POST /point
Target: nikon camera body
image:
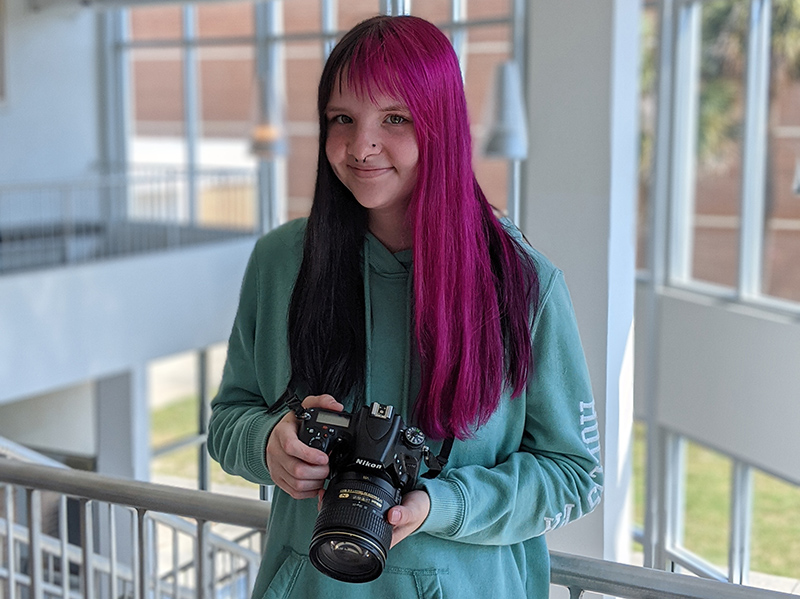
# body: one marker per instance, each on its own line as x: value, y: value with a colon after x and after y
x: 374, y: 460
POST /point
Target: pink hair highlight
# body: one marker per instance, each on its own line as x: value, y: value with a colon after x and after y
x: 465, y: 360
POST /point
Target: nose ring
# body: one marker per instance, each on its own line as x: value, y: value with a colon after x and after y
x: 363, y: 160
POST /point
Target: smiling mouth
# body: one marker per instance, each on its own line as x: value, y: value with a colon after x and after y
x: 369, y: 173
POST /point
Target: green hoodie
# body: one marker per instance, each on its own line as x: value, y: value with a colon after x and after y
x: 532, y: 468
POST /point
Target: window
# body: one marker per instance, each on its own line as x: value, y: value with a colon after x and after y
x: 735, y: 154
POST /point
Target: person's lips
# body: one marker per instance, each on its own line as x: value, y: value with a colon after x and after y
x: 368, y: 173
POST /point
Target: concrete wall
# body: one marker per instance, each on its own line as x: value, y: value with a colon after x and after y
x: 48, y: 121
x: 62, y: 421
x: 69, y: 325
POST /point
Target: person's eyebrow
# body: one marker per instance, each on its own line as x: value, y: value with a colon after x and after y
x: 394, y: 108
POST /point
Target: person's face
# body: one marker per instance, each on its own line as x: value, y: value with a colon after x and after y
x: 372, y: 148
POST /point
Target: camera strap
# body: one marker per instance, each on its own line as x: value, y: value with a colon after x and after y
x: 291, y: 399
x: 437, y: 463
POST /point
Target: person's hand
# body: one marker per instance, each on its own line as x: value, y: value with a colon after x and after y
x: 295, y: 467
x: 409, y: 515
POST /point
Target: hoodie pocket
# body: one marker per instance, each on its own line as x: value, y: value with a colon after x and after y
x: 298, y: 579
x: 283, y: 583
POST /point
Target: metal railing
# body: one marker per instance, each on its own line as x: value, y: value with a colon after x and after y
x: 100, y: 575
x: 71, y: 534
x: 48, y: 224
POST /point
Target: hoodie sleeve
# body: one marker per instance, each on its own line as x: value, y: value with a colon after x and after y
x: 240, y: 423
x: 555, y: 477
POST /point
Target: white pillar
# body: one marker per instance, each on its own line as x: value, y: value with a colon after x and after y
x: 579, y: 209
x: 123, y: 425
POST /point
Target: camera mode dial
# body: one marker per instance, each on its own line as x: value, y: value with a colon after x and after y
x: 414, y: 437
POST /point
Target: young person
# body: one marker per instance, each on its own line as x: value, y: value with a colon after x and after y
x: 403, y: 288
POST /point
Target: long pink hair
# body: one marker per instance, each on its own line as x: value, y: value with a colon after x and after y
x: 475, y: 287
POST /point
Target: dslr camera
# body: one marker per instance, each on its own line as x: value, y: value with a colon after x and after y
x: 374, y: 460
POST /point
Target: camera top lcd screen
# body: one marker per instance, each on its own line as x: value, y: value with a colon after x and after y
x: 333, y: 419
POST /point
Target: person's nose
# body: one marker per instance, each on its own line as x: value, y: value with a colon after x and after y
x: 365, y: 143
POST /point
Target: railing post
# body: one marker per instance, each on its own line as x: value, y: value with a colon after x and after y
x: 203, y: 568
x: 34, y: 542
x: 112, y: 528
x: 10, y: 545
x: 63, y: 529
x: 575, y: 592
x: 141, y: 559
x: 87, y: 543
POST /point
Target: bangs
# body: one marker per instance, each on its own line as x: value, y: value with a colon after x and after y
x: 370, y: 71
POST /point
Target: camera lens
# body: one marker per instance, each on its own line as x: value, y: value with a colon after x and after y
x: 351, y: 535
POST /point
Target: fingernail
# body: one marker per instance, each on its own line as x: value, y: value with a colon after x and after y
x: 394, y: 517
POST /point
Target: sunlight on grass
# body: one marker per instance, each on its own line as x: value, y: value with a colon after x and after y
x: 776, y: 527
x: 174, y: 420
x: 775, y: 544
x: 178, y: 420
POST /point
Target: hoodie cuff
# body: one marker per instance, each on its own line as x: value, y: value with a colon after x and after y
x: 448, y: 507
x: 256, y: 440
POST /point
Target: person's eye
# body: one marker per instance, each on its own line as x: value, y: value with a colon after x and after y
x: 396, y: 119
x: 341, y: 119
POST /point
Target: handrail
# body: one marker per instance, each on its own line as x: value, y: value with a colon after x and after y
x: 580, y: 574
x: 11, y: 449
x: 200, y: 505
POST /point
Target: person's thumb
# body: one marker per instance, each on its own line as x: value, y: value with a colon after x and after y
x: 395, y: 516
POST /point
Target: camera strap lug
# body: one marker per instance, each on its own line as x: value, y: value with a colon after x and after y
x: 291, y: 399
x: 437, y: 463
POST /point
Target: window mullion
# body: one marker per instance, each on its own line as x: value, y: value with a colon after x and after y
x: 687, y: 99
x: 191, y: 107
x: 754, y: 150
x: 741, y: 518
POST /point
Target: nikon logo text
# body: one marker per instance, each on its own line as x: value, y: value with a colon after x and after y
x: 368, y: 464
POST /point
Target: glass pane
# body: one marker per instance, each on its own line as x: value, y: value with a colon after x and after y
x: 222, y: 482
x: 227, y: 199
x: 707, y: 504
x: 228, y: 97
x: 302, y: 16
x: 483, y: 58
x: 719, y: 142
x: 639, y: 472
x: 647, y: 121
x: 228, y: 19
x: 157, y: 82
x: 304, y: 68
x: 782, y: 233
x: 435, y: 11
x: 178, y: 468
x: 353, y: 12
x: 480, y: 9
x: 775, y: 548
x: 156, y: 23
x: 174, y: 406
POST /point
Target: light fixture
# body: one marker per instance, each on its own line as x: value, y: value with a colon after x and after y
x: 268, y: 141
x: 508, y: 132
x: 508, y: 129
x: 796, y: 179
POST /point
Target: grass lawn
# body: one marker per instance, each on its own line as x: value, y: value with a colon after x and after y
x: 174, y: 421
x: 775, y: 544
